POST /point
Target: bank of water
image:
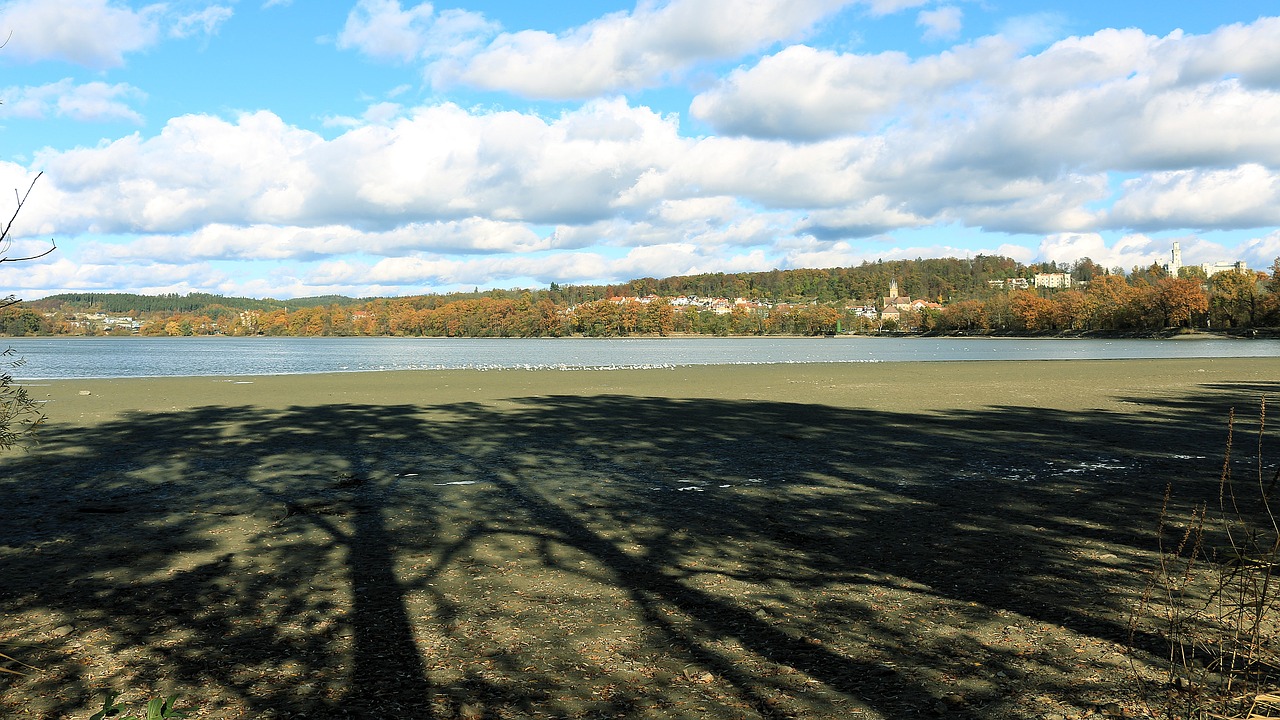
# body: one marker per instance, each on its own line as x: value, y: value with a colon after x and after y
x: 66, y: 358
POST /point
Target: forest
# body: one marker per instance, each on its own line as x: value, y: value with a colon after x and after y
x: 984, y: 294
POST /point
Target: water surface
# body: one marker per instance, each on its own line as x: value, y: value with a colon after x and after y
x: 65, y: 358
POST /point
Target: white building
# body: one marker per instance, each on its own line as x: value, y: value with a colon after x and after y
x: 1210, y: 269
x: 1053, y: 280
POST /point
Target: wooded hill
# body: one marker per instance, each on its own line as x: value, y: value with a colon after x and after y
x: 804, y: 301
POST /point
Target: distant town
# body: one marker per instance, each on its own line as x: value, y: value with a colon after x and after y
x: 981, y: 295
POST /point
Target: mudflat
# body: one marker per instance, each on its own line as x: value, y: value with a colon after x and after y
x: 812, y: 541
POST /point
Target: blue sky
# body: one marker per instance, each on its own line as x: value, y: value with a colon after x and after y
x: 373, y: 147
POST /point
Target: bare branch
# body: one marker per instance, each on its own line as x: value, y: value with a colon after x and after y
x: 22, y: 200
x: 5, y: 240
x: 52, y: 246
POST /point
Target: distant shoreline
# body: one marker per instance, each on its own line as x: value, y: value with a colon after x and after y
x: 1167, y: 334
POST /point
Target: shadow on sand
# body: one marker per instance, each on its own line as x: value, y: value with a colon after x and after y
x: 608, y: 556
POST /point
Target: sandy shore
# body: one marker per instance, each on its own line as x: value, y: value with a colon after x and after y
x: 913, y: 387
x: 871, y: 540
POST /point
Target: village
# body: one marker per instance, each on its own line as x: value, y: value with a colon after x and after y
x: 1031, y: 301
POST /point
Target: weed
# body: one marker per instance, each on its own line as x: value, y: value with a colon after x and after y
x: 1214, y: 599
x: 156, y: 709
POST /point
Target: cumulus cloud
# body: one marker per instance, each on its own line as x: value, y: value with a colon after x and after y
x: 989, y: 137
x: 874, y: 216
x: 1129, y: 251
x: 59, y: 273
x: 272, y: 242
x: 631, y: 50
x: 813, y: 149
x: 383, y: 29
x: 812, y: 252
x: 94, y: 33
x: 1095, y: 97
x: 805, y: 93
x: 1244, y: 196
x: 1262, y: 251
x: 90, y: 102
x: 432, y: 164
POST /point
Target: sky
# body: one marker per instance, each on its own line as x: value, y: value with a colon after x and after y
x: 289, y: 148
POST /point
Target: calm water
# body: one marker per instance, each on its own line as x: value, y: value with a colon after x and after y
x: 59, y: 358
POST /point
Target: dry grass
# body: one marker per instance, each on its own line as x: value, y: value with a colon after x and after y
x: 1215, y: 598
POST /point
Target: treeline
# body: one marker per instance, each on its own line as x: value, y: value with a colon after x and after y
x: 134, y: 305
x: 938, y: 279
x: 804, y: 302
x: 1115, y: 303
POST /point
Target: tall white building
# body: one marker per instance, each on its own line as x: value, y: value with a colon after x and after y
x: 1175, y: 263
x: 1210, y: 269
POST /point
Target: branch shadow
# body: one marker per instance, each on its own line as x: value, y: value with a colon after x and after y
x: 591, y: 556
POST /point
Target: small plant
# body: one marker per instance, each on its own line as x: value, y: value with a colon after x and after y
x: 20, y: 414
x: 1214, y: 599
x: 157, y: 709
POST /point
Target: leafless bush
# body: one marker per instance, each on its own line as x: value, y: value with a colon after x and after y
x: 1214, y: 599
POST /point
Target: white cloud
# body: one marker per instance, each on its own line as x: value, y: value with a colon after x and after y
x: 943, y: 23
x: 982, y: 136
x: 89, y: 102
x: 1083, y: 101
x: 59, y: 273
x: 204, y: 22
x: 817, y: 149
x: 813, y: 253
x: 1263, y: 251
x: 632, y: 50
x: 93, y: 33
x: 1243, y: 196
x: 1141, y: 250
x: 437, y: 163
x: 383, y: 29
x: 1248, y: 51
x: 1127, y: 252
x: 272, y: 242
x: 874, y: 216
x: 806, y: 93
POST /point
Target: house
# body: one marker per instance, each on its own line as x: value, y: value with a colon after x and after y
x: 1053, y: 280
x: 1017, y: 283
x: 1211, y: 269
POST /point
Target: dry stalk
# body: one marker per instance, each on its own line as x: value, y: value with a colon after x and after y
x: 1214, y: 600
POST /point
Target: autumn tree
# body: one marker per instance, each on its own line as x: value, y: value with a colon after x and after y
x: 1032, y: 312
x: 1234, y: 301
x: 1069, y: 309
x: 967, y: 315
x: 1108, y: 303
x: 1180, y: 300
x: 1270, y: 306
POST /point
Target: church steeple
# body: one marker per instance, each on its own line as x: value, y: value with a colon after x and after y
x: 893, y: 288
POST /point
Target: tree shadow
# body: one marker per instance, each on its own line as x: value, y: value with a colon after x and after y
x: 592, y: 556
